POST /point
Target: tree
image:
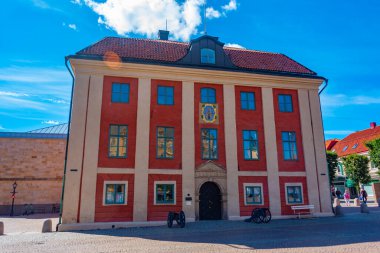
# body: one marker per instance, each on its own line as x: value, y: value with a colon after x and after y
x: 374, y: 152
x: 356, y: 168
x: 332, y: 164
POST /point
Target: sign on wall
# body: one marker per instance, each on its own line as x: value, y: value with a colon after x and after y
x: 209, y: 113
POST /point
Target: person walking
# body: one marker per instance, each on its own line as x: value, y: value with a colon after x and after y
x: 364, y: 195
x: 347, y: 197
x: 338, y: 193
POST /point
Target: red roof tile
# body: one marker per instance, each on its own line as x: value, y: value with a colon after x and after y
x: 359, y: 138
x: 331, y: 143
x: 172, y: 51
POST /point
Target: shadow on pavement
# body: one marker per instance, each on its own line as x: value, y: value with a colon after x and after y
x: 292, y: 233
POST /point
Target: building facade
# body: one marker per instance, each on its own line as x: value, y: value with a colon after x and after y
x: 355, y: 144
x: 35, y: 161
x: 161, y: 126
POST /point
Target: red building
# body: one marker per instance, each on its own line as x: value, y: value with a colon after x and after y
x: 161, y: 126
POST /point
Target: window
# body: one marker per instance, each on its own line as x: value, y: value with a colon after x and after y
x: 250, y: 145
x: 164, y: 193
x: 285, y: 103
x: 118, y: 141
x: 165, y: 142
x: 294, y: 194
x: 340, y: 168
x: 355, y: 146
x: 208, y: 95
x: 120, y: 93
x: 289, y: 145
x: 209, y: 144
x: 207, y: 56
x: 165, y: 95
x: 115, y: 193
x: 247, y: 100
x: 345, y: 148
x: 253, y: 194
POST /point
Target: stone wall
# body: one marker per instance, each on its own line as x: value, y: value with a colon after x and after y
x: 37, y: 167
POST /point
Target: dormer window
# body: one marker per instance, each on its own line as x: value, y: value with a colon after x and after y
x: 355, y: 146
x: 207, y: 56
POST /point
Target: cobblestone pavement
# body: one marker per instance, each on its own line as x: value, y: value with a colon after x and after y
x: 350, y: 233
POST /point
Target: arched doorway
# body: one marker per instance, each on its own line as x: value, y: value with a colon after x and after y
x: 210, y: 202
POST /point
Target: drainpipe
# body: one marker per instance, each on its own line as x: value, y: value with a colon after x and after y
x: 324, y: 140
x: 67, y: 143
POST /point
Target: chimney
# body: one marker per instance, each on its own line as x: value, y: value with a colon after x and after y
x: 163, y: 35
x: 372, y: 125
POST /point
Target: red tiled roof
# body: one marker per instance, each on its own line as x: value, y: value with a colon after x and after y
x: 331, y: 143
x: 172, y: 51
x: 359, y: 138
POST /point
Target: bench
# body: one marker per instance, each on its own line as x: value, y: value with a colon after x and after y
x: 300, y: 210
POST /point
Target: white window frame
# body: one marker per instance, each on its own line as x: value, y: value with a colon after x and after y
x: 245, y: 193
x: 125, y: 192
x: 175, y: 193
x: 286, y: 193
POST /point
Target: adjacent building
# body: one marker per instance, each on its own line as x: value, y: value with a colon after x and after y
x: 33, y: 160
x: 161, y: 126
x: 355, y: 144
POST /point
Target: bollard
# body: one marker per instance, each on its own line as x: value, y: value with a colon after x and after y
x: 336, y: 202
x: 47, y: 226
x: 338, y: 211
x: 1, y: 228
x: 364, y: 208
x: 356, y: 202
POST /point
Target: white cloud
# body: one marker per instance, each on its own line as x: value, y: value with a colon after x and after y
x: 212, y: 13
x: 78, y: 2
x: 51, y: 122
x: 44, y: 5
x: 234, y: 45
x: 12, y: 94
x: 146, y: 17
x: 340, y: 100
x: 57, y: 101
x: 231, y: 6
x: 73, y: 26
x: 1, y: 127
x: 339, y: 132
x: 33, y: 75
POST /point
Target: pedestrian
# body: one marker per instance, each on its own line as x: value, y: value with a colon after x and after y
x: 338, y: 193
x: 333, y: 191
x: 364, y: 195
x: 347, y: 197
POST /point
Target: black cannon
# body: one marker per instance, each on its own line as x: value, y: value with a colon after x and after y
x: 178, y: 217
x: 260, y: 215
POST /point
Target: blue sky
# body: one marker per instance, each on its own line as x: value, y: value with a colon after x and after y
x: 340, y: 40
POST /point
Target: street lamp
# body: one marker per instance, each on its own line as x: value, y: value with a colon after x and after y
x: 13, y: 197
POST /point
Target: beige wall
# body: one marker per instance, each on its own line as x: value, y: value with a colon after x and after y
x: 36, y: 165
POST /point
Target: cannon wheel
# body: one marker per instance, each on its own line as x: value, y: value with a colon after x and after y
x: 182, y: 219
x: 267, y: 215
x: 170, y: 219
x: 256, y: 215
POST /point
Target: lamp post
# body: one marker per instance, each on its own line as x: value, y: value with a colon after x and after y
x: 13, y: 197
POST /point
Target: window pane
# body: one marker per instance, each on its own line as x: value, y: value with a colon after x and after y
x: 169, y: 91
x: 243, y: 96
x: 124, y: 97
x: 113, y: 151
x: 110, y: 190
x: 292, y: 136
x: 254, y: 154
x: 115, y: 97
x: 114, y: 130
x: 251, y: 105
x: 205, y: 149
x: 122, y: 151
x: 161, y: 100
x: 123, y: 130
x: 246, y: 135
x: 161, y: 91
x: 115, y: 87
x: 285, y: 136
x: 160, y: 197
x: 247, y: 154
x: 161, y: 131
x: 125, y: 88
x: 113, y: 141
x: 161, y: 147
x: 170, y: 132
x: 214, y: 150
x: 169, y: 148
x: 169, y: 194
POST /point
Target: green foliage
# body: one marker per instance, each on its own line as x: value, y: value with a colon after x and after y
x: 332, y: 164
x: 374, y: 151
x: 356, y: 168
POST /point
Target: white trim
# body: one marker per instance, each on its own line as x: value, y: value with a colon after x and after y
x: 174, y: 195
x: 125, y: 183
x: 262, y: 193
x: 286, y: 193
